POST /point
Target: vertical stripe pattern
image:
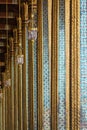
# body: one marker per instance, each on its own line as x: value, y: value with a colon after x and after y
x: 61, y: 68
x: 46, y: 86
x: 83, y: 64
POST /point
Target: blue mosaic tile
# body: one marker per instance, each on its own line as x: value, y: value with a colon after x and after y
x: 35, y: 85
x: 83, y: 64
x: 46, y: 84
x: 27, y: 73
x: 61, y: 68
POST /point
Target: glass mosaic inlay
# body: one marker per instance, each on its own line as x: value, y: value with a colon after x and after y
x: 27, y: 71
x: 83, y: 64
x: 46, y: 84
x: 35, y: 85
x: 61, y: 68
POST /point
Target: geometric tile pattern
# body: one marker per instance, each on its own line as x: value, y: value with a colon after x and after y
x: 61, y: 68
x: 46, y: 84
x: 83, y: 64
x: 35, y: 85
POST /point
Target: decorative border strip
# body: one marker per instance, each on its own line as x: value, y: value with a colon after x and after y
x: 75, y: 63
x: 25, y: 69
x: 39, y: 60
x: 15, y: 80
x: 78, y: 61
x: 31, y: 86
x: 54, y: 64
x: 67, y: 38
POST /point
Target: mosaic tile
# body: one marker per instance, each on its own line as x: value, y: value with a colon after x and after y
x: 83, y: 64
x: 46, y: 84
x: 61, y: 68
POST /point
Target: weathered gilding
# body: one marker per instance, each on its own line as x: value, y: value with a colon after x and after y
x: 12, y: 83
x: 20, y: 85
x: 15, y: 80
x: 24, y: 80
x: 54, y: 64
x: 39, y: 60
x: 67, y: 41
x: 75, y: 64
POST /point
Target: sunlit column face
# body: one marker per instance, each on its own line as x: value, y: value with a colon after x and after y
x: 61, y: 68
x: 83, y: 64
x: 46, y: 93
x: 46, y: 90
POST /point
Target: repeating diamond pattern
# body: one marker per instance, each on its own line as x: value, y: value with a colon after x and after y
x: 61, y: 68
x: 46, y: 87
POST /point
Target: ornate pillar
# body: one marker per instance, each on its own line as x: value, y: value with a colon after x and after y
x: 39, y: 64
x: 67, y: 49
x: 25, y: 65
x: 8, y: 90
x: 15, y: 79
x: 12, y: 82
x: 32, y: 32
x: 75, y: 63
x: 20, y: 85
x: 5, y: 85
x: 54, y: 64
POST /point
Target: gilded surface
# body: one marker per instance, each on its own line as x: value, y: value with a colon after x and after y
x: 39, y: 64
x: 54, y: 65
x: 75, y: 82
x: 25, y: 65
x: 15, y: 80
x: 67, y: 37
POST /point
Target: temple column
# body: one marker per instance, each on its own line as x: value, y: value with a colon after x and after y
x: 25, y: 65
x: 40, y: 63
x: 15, y: 79
x: 12, y: 83
x: 20, y: 86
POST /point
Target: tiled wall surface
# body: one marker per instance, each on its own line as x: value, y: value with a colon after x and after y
x: 61, y: 68
x: 46, y: 69
x: 83, y: 64
x: 46, y: 82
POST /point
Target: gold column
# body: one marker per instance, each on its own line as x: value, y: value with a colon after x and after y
x: 8, y: 91
x: 78, y: 62
x: 31, y: 73
x: 15, y: 80
x: 12, y: 83
x: 20, y: 114
x: 25, y: 84
x: 31, y: 80
x: 54, y: 60
x: 3, y: 101
x: 32, y: 30
x: 6, y: 121
x: 39, y: 60
x: 8, y: 107
x: 75, y: 64
x: 67, y: 37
